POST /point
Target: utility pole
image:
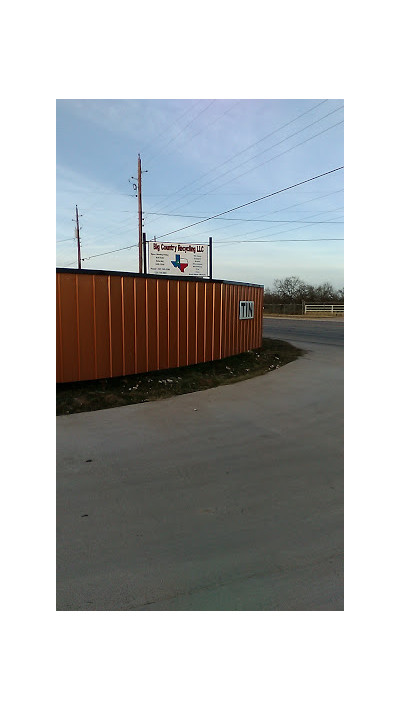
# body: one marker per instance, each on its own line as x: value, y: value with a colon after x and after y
x: 77, y: 235
x: 140, y: 215
x: 138, y: 187
x: 144, y: 253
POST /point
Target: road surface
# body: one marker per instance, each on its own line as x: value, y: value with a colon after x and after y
x: 329, y: 332
x: 226, y: 499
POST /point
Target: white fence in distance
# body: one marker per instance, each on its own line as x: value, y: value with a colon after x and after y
x: 324, y: 308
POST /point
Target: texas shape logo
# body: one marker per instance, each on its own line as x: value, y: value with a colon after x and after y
x: 178, y: 264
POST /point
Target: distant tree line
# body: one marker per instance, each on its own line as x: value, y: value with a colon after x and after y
x: 293, y: 290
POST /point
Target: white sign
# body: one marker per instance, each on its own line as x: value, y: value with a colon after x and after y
x: 246, y: 309
x: 178, y: 259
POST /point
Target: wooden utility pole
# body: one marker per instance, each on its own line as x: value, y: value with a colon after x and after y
x: 140, y: 215
x: 144, y: 253
x: 78, y: 238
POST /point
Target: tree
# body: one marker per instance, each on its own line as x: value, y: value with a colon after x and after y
x: 294, y: 290
x: 324, y: 292
x: 290, y: 288
x: 270, y: 297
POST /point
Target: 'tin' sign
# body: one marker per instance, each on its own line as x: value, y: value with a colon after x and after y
x: 246, y: 309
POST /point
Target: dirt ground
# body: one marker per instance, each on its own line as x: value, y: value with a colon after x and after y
x: 144, y: 387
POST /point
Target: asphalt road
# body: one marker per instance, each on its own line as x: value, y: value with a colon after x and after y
x: 329, y: 332
x: 226, y: 499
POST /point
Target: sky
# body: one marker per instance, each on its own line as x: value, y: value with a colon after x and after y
x: 204, y: 157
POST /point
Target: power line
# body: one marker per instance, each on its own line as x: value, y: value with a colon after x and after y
x: 170, y: 125
x: 304, y: 202
x: 180, y: 132
x: 269, y: 160
x: 220, y: 165
x: 287, y: 137
x: 236, y: 194
x: 318, y: 239
x: 190, y: 138
x: 222, y: 243
x: 328, y: 239
x: 229, y: 238
x: 217, y: 118
x: 233, y: 240
x: 248, y: 160
x: 175, y: 122
x: 284, y: 209
x: 264, y: 197
x: 240, y: 219
x: 89, y: 192
x: 93, y: 256
x: 111, y: 252
x: 283, y: 152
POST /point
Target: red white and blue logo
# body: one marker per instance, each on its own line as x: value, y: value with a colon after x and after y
x: 180, y: 264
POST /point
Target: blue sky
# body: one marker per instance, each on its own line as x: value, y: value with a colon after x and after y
x: 205, y: 157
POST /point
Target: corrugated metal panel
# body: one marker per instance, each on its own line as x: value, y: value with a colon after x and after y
x: 111, y: 324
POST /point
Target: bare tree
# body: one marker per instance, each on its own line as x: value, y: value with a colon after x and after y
x: 325, y: 292
x: 290, y: 288
x: 294, y: 290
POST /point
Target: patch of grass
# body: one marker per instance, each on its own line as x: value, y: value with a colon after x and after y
x: 161, y: 384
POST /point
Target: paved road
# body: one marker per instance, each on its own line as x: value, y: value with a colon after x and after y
x: 306, y: 332
x: 227, y: 499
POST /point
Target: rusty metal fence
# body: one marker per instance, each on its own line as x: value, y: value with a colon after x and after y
x: 118, y: 323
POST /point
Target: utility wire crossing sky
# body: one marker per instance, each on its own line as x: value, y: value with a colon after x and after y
x: 188, y: 148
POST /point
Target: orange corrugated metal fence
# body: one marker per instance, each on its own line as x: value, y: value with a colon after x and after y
x: 116, y: 323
